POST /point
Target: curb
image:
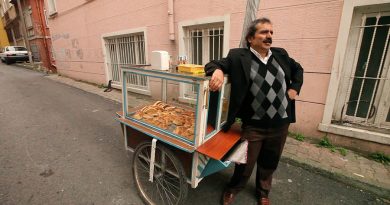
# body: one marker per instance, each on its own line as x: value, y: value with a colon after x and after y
x: 36, y: 67
x: 379, y: 191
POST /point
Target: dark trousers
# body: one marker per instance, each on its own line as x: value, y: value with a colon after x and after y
x: 265, y: 147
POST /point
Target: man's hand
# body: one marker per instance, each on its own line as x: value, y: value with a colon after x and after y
x: 216, y: 80
x: 292, y: 94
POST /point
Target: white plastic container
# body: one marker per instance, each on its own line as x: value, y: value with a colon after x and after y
x: 160, y: 60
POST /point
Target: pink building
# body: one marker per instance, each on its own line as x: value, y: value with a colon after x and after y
x: 342, y: 45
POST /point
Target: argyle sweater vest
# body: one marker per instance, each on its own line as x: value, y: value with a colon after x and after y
x: 266, y: 104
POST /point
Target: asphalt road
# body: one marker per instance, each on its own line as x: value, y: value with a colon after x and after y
x: 61, y: 145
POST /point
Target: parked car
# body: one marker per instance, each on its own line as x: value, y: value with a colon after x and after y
x: 11, y: 54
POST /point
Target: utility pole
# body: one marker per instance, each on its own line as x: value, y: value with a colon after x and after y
x: 21, y: 16
x: 250, y: 15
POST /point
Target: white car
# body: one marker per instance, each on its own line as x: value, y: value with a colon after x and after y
x: 11, y: 54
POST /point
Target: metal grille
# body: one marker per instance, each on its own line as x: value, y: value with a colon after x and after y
x: 127, y: 50
x: 370, y: 75
x: 35, y: 52
x: 202, y: 46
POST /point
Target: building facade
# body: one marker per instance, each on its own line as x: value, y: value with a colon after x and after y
x: 342, y: 45
x: 37, y: 37
x: 3, y: 36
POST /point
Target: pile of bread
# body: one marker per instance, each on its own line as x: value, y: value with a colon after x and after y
x: 177, y: 120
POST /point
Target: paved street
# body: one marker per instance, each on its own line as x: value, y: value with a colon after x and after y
x: 61, y: 145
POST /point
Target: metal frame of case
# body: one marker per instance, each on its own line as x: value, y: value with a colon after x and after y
x: 192, y: 160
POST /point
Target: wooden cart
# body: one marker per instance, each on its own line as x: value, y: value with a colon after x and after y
x: 166, y: 160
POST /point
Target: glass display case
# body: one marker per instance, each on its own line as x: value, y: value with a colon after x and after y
x: 177, y: 106
x: 172, y: 122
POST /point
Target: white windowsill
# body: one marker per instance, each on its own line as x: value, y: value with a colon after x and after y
x: 187, y: 100
x: 135, y: 90
x: 355, y: 133
x: 53, y: 14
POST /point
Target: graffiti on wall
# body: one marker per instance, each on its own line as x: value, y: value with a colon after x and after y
x: 58, y: 36
x: 74, y: 52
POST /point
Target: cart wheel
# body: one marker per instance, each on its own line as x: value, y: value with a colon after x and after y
x: 169, y: 184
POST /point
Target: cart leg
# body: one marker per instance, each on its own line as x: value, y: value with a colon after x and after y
x: 152, y: 158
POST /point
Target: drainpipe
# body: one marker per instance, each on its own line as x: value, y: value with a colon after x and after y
x: 171, y: 21
x: 21, y: 16
x: 43, y: 30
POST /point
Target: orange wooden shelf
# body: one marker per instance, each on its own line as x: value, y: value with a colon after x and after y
x: 221, y: 143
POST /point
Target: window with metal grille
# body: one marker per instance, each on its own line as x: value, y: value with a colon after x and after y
x: 52, y: 7
x: 203, y: 43
x: 35, y: 52
x: 364, y: 97
x: 126, y: 50
x: 27, y: 18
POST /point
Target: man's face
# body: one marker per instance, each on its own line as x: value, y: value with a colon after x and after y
x: 262, y: 39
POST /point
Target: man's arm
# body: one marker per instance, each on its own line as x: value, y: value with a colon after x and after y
x: 223, y: 64
x: 296, y: 79
x: 216, y: 69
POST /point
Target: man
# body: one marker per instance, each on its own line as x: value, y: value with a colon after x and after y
x: 264, y: 84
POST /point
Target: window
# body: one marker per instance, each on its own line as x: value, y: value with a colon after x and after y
x: 46, y: 17
x: 27, y: 17
x: 29, y: 22
x: 364, y: 93
x: 18, y: 48
x: 5, y: 5
x: 52, y: 7
x: 35, y: 53
x: 203, y: 43
x: 126, y: 49
x: 358, y: 100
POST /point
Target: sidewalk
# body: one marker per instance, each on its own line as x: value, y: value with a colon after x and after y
x: 351, y: 169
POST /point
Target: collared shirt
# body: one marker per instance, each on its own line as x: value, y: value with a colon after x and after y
x: 265, y: 59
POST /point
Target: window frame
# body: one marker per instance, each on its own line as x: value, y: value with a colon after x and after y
x: 340, y: 67
x: 199, y: 22
x: 203, y: 23
x: 28, y: 18
x: 52, y: 7
x: 346, y: 85
x: 116, y: 35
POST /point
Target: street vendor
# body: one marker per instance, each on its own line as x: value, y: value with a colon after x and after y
x: 264, y: 84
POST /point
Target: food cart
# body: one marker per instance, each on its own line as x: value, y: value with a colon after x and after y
x: 175, y: 133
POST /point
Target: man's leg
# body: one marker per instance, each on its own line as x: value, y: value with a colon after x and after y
x: 268, y: 160
x: 242, y: 172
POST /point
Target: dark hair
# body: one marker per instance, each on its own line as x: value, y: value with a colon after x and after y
x: 252, y: 28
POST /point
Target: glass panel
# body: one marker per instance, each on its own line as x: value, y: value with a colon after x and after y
x: 368, y: 66
x: 215, y: 108
x: 20, y: 48
x: 180, y: 113
x: 167, y: 114
x: 225, y: 103
x: 212, y: 112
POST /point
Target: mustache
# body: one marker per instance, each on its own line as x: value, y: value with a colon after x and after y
x: 267, y: 40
